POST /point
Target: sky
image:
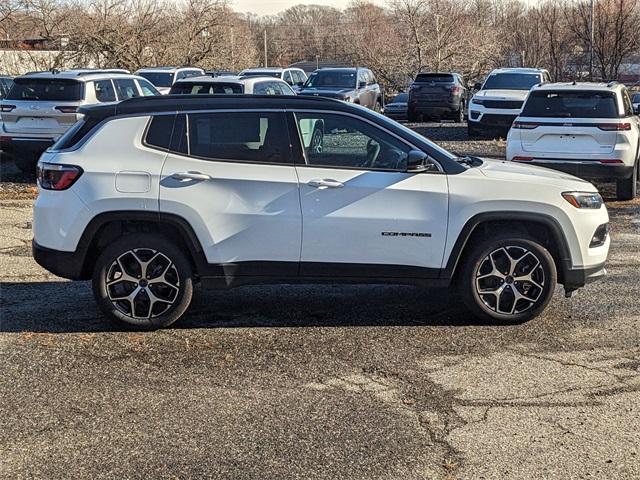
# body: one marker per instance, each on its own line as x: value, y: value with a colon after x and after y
x: 270, y: 7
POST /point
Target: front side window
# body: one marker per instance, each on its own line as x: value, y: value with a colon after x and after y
x: 147, y: 89
x: 332, y: 79
x: 511, y: 81
x: 571, y: 104
x: 242, y: 136
x: 104, y: 91
x: 347, y: 142
x: 126, y: 88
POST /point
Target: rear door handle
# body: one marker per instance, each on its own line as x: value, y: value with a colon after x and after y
x: 325, y: 183
x: 190, y: 176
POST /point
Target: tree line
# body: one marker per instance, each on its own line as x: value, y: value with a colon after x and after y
x: 396, y: 40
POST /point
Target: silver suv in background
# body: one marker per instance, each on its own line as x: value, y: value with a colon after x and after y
x: 295, y: 77
x: 164, y: 77
x: 41, y: 106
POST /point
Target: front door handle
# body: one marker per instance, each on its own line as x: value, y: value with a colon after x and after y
x: 325, y: 183
x: 190, y: 176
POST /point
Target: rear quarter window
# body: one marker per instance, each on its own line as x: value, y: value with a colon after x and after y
x: 571, y: 104
x: 46, y: 89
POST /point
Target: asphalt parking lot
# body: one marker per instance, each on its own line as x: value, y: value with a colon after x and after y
x: 331, y: 382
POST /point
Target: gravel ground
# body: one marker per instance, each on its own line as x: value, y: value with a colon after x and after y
x: 318, y: 382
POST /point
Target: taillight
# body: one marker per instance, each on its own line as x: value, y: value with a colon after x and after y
x: 522, y: 159
x: 525, y: 125
x: 64, y: 109
x: 614, y: 127
x: 611, y: 160
x: 456, y: 89
x: 7, y: 108
x: 54, y: 176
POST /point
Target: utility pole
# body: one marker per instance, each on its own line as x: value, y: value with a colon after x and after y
x: 591, y: 34
x: 265, y: 48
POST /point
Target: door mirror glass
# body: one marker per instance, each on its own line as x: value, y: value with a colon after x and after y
x: 477, y: 86
x: 417, y: 161
x: 362, y: 84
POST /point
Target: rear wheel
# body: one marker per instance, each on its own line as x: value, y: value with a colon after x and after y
x: 143, y: 282
x: 508, y: 279
x: 317, y: 140
x: 458, y: 116
x: 627, y: 189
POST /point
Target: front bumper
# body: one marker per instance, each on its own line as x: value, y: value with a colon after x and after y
x: 584, y: 169
x: 497, y: 121
x: 578, y: 277
x: 63, y: 264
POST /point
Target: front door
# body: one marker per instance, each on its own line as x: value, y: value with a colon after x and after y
x: 363, y: 214
x: 230, y: 175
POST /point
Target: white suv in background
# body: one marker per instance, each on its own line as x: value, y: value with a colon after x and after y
x: 498, y: 101
x: 587, y: 129
x: 150, y: 196
x: 295, y: 77
x: 41, y: 106
x: 164, y: 77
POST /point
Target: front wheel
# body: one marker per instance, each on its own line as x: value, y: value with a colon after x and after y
x: 508, y: 279
x: 627, y: 189
x: 143, y: 281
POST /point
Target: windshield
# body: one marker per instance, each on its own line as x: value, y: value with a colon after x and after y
x: 400, y: 98
x: 205, y: 88
x: 45, y: 89
x: 570, y: 104
x: 511, y: 81
x: 260, y: 74
x: 332, y: 79
x: 159, y: 79
x: 636, y: 98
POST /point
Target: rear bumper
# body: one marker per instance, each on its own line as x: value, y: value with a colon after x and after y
x: 434, y: 107
x: 586, y: 170
x: 63, y: 264
x: 579, y: 277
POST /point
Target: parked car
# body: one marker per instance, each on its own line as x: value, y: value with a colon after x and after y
x: 498, y: 101
x: 163, y: 77
x: 5, y: 84
x: 397, y: 107
x: 377, y: 204
x: 40, y: 107
x: 355, y: 85
x: 221, y: 73
x: 438, y: 95
x: 635, y: 100
x: 587, y: 129
x: 295, y: 77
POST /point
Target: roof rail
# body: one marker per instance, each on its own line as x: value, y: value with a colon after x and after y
x: 89, y: 71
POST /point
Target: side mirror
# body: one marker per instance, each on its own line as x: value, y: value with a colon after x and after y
x: 477, y: 86
x: 362, y: 84
x: 416, y: 161
x: 299, y: 84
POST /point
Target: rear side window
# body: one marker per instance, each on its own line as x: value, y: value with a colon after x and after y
x: 205, y: 88
x: 167, y: 132
x: 75, y: 134
x: 126, y: 88
x: 30, y: 88
x: 148, y: 90
x: 571, y: 104
x: 104, y: 91
x: 251, y: 137
x: 434, y: 77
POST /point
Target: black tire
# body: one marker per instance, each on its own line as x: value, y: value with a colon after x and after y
x: 505, y: 307
x: 173, y: 287
x: 26, y: 162
x: 627, y: 189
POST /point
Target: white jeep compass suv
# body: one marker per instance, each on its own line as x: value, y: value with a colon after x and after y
x: 587, y: 129
x: 499, y: 100
x: 149, y: 196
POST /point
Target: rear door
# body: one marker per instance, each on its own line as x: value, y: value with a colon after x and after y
x: 432, y: 87
x: 231, y: 176
x: 42, y: 106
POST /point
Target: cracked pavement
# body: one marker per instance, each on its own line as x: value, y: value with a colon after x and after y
x: 318, y: 382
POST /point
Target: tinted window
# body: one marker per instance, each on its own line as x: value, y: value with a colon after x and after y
x: 159, y: 79
x: 350, y: 143
x: 148, y: 90
x: 205, y: 88
x: 258, y: 73
x: 626, y: 102
x: 126, y: 88
x: 75, y: 134
x: 255, y: 137
x: 511, y: 81
x: 46, y: 89
x: 159, y: 131
x: 104, y: 91
x: 434, y: 77
x: 332, y: 79
x: 287, y: 77
x: 636, y: 98
x: 298, y: 77
x: 400, y: 98
x: 571, y: 104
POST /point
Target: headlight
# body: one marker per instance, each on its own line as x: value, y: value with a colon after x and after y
x: 477, y: 101
x: 583, y: 199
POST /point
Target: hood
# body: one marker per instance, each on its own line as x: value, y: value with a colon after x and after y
x: 502, y: 94
x: 512, y: 171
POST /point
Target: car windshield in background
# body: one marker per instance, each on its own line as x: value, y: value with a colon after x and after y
x: 261, y: 74
x: 206, y: 88
x: 45, y: 89
x: 159, y: 79
x: 571, y: 104
x: 636, y: 98
x: 434, y: 77
x: 511, y: 81
x: 332, y: 80
x: 400, y: 98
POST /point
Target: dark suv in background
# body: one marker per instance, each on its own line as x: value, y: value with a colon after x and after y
x: 437, y: 95
x: 355, y: 85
